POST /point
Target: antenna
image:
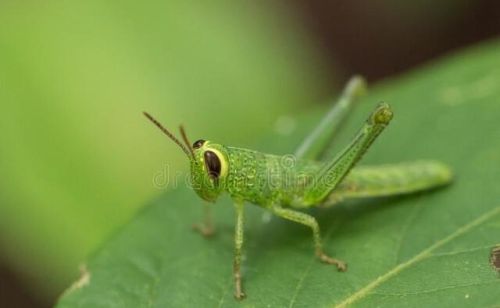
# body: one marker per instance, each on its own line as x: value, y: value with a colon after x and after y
x: 186, y: 140
x: 169, y: 134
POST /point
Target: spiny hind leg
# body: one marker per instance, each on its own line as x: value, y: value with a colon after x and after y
x: 319, y: 141
x: 334, y: 171
x: 311, y: 222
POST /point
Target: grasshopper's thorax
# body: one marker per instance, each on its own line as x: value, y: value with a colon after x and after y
x: 263, y: 179
x: 209, y: 169
x: 246, y: 175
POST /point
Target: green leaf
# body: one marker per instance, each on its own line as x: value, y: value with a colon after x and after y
x: 425, y: 250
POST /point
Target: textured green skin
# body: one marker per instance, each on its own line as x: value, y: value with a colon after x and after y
x: 266, y: 179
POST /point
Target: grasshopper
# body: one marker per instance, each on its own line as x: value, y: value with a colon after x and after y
x: 284, y: 185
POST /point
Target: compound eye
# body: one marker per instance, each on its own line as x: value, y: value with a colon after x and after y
x: 198, y: 144
x: 212, y: 163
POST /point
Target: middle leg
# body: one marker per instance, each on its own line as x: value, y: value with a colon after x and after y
x: 311, y: 222
x: 238, y: 244
x: 206, y: 227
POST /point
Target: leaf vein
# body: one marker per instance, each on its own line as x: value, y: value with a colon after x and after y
x: 308, y: 269
x: 438, y: 289
x: 361, y: 293
x: 224, y: 292
x: 414, y: 214
x: 452, y: 253
x: 300, y: 283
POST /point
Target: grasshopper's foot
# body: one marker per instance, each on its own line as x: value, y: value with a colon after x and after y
x: 204, y: 229
x: 238, y: 293
x: 341, y: 266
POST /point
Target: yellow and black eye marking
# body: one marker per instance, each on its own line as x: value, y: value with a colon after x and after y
x: 495, y: 258
x: 213, y: 164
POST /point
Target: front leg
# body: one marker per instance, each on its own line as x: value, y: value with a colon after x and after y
x: 206, y: 227
x: 308, y: 220
x: 238, y: 244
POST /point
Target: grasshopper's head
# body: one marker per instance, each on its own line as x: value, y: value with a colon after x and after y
x: 208, y: 169
x: 209, y: 163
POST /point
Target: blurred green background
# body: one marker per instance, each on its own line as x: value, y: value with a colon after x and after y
x: 77, y: 159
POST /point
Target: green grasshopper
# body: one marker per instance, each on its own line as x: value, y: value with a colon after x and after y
x: 284, y: 184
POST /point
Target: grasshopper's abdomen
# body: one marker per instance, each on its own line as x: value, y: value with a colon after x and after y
x: 391, y: 179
